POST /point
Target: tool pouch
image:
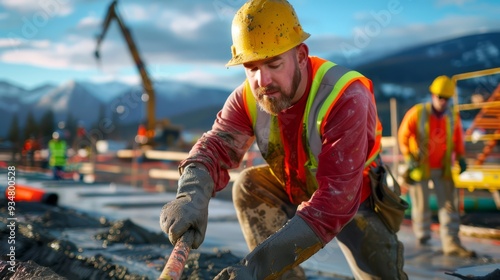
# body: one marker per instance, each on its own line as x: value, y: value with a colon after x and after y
x: 387, y: 202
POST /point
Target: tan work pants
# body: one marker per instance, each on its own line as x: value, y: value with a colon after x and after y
x: 263, y: 207
x: 447, y: 203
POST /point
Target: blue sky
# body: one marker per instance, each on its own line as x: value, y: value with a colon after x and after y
x: 53, y: 41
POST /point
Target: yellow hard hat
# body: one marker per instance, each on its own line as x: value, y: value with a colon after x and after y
x: 443, y: 86
x: 263, y: 29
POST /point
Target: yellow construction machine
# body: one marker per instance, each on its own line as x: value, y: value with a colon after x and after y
x: 482, y: 135
x: 112, y: 14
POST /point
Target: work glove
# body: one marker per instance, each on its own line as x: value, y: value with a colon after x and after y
x: 410, y: 161
x: 411, y: 166
x: 463, y: 164
x: 288, y: 247
x: 189, y: 210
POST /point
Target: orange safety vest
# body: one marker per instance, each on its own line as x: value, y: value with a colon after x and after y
x: 141, y: 131
x: 424, y: 112
x: 329, y: 82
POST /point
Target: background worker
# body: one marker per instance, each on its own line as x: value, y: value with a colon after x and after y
x: 57, y: 155
x: 30, y: 147
x: 430, y: 138
x: 313, y: 187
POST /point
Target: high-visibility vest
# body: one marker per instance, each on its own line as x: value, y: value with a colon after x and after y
x: 424, y: 112
x: 329, y: 82
x: 57, y: 151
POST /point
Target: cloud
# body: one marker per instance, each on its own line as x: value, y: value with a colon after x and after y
x: 89, y: 22
x: 48, y: 54
x: 362, y: 44
x: 106, y: 77
x: 185, y: 25
x: 446, y: 28
x: 441, y: 3
x: 16, y: 44
x: 43, y: 59
x: 9, y: 43
x: 231, y: 79
x: 48, y: 7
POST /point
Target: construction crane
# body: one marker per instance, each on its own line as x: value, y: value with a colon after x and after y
x: 112, y: 14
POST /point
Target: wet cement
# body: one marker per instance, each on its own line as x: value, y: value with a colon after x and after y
x: 53, y: 242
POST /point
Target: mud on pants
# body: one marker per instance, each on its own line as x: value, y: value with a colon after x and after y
x: 263, y: 207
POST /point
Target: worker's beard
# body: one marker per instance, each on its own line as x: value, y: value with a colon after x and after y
x: 274, y: 105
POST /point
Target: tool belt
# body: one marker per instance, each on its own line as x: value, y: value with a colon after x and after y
x: 387, y: 202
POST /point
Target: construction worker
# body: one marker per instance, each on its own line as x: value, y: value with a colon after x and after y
x: 316, y: 126
x: 81, y: 139
x: 30, y: 147
x: 57, y: 155
x: 141, y: 137
x: 430, y: 138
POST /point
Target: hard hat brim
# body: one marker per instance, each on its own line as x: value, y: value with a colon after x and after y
x: 241, y: 59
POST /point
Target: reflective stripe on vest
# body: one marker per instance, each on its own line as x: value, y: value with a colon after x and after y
x: 329, y: 82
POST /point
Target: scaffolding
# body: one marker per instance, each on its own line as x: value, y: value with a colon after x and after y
x: 483, y: 171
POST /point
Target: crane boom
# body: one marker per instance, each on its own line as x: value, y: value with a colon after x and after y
x: 112, y: 13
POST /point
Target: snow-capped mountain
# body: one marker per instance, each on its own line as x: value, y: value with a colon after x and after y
x: 89, y: 102
x: 424, y: 63
x: 107, y: 91
x: 33, y: 95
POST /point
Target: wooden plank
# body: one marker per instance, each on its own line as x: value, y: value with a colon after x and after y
x: 169, y: 174
x: 166, y: 155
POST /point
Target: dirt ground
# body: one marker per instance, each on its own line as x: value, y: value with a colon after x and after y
x: 53, y: 242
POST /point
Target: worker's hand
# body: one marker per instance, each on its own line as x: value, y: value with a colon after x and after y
x: 190, y: 208
x: 463, y: 164
x: 294, y: 243
x: 410, y: 161
x: 411, y: 164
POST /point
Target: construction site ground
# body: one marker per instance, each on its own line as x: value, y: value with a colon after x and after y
x: 109, y: 229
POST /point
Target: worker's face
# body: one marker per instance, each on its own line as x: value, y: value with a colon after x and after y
x: 440, y: 104
x: 276, y: 81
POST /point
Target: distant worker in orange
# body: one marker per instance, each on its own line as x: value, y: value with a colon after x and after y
x: 141, y: 137
x: 31, y: 145
x: 431, y: 138
x: 81, y: 140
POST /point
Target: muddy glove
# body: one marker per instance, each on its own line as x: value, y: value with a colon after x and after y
x: 463, y: 164
x: 410, y: 161
x: 411, y: 165
x: 291, y: 245
x: 189, y: 210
